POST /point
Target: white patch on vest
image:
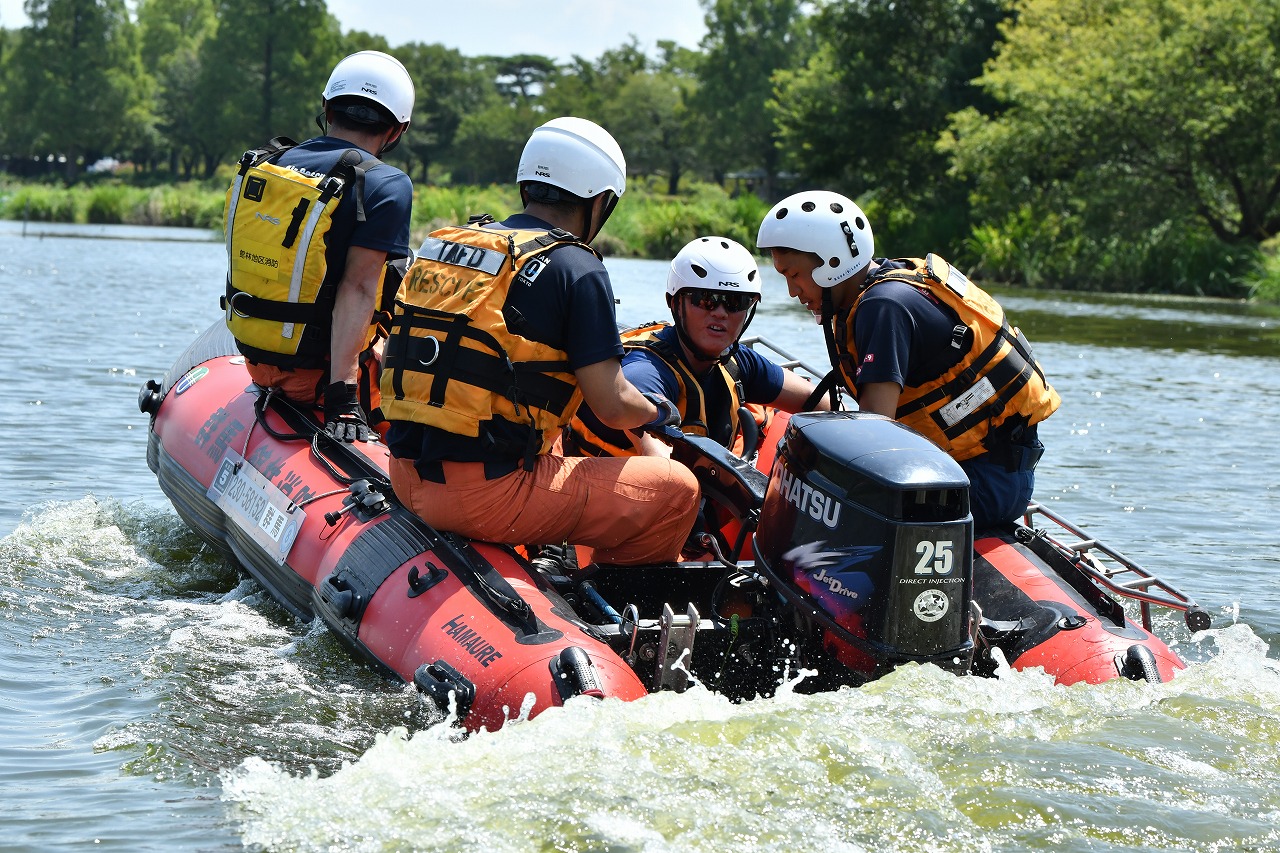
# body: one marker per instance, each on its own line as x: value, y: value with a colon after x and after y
x: 461, y: 255
x: 968, y: 402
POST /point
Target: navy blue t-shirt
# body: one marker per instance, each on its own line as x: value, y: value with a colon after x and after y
x: 570, y: 306
x: 901, y: 332
x: 388, y: 202
x: 761, y: 383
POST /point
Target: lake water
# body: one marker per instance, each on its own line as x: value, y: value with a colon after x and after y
x: 152, y: 700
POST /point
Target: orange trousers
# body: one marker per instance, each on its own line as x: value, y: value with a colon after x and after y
x: 630, y: 511
x: 306, y: 385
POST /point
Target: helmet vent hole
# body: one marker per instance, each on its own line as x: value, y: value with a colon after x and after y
x: 833, y: 263
x: 751, y: 276
x: 837, y: 207
x: 698, y: 271
x: 808, y: 207
x: 861, y: 223
x: 782, y: 213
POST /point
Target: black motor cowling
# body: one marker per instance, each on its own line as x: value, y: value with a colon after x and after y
x: 866, y: 532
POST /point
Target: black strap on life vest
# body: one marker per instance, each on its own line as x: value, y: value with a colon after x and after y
x: 827, y: 385
x: 269, y: 309
x: 275, y: 146
x: 526, y: 383
x: 1008, y: 377
x: 694, y: 406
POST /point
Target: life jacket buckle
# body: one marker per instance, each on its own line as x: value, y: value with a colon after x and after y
x: 435, y: 351
x: 231, y: 306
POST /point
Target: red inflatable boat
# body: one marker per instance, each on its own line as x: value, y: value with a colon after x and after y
x: 864, y: 559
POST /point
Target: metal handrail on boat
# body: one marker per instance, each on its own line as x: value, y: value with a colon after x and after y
x: 1121, y: 575
x: 790, y: 362
x: 785, y: 359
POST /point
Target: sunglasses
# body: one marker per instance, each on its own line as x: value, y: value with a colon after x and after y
x: 707, y: 300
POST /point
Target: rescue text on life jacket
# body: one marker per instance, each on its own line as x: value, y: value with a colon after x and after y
x: 451, y: 361
x: 580, y: 439
x: 997, y: 379
x: 280, y: 290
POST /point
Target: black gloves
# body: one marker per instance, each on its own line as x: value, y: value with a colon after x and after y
x: 668, y: 414
x: 344, y: 420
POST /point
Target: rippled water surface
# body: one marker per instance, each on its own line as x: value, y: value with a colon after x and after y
x: 150, y: 699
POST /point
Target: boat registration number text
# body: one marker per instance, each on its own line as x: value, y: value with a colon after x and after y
x: 267, y: 514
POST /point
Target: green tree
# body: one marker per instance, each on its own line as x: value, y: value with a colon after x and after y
x: 866, y: 109
x: 76, y: 87
x: 1126, y: 117
x: 448, y: 86
x: 262, y: 72
x: 489, y: 140
x: 650, y: 120
x: 746, y: 42
x: 171, y: 32
x: 641, y: 103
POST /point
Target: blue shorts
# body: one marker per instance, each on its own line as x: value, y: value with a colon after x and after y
x: 997, y: 496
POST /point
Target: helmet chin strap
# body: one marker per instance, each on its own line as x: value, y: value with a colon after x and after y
x: 828, y: 332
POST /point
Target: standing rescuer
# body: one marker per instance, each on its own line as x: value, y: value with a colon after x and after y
x: 501, y: 329
x: 915, y: 340
x: 310, y: 230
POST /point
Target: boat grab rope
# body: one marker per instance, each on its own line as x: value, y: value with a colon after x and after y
x: 270, y: 396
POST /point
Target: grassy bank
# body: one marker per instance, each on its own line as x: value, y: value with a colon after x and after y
x: 647, y: 224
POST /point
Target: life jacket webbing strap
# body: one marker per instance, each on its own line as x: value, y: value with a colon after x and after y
x: 521, y: 382
x: 278, y: 312
x: 493, y: 373
x: 1022, y: 345
x: 962, y: 380
x: 997, y: 403
x: 695, y: 408
x: 841, y: 359
x: 455, y: 328
x: 826, y: 385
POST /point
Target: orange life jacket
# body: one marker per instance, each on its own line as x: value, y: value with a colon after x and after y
x: 996, y: 379
x: 451, y: 362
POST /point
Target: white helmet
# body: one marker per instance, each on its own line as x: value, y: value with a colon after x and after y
x: 374, y: 76
x: 714, y: 263
x: 825, y: 223
x: 575, y: 155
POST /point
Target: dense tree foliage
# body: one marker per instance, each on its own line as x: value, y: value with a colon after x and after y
x: 1171, y: 104
x: 1102, y: 143
x: 746, y: 42
x: 74, y: 85
x: 1141, y: 124
x: 864, y: 111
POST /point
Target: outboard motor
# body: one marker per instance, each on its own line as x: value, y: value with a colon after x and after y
x: 866, y: 533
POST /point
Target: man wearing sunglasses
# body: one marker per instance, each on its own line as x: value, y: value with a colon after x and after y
x: 713, y: 288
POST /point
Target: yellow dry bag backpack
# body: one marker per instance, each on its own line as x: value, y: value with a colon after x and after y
x: 279, y: 300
